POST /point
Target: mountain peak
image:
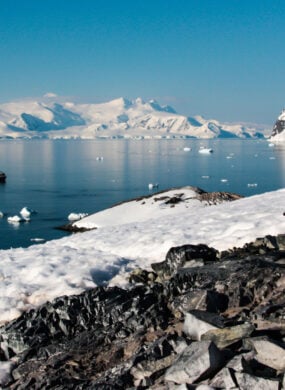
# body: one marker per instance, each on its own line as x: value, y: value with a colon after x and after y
x: 50, y: 95
x: 121, y: 102
x: 53, y: 117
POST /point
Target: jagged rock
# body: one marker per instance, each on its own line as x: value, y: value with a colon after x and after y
x: 281, y: 242
x: 139, y: 275
x: 197, y: 362
x: 227, y: 336
x: 195, y: 299
x: 144, y: 373
x: 111, y: 338
x: 239, y: 363
x: 224, y: 380
x: 268, y: 242
x: 246, y: 382
x: 267, y: 353
x: 179, y: 256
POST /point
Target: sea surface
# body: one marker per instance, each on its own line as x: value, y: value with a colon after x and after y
x: 57, y: 177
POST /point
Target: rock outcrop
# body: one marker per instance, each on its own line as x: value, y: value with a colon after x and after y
x: 201, y: 318
x: 278, y: 132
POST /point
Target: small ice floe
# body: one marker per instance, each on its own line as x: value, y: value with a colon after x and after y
x: 252, y: 184
x: 271, y: 145
x: 15, y: 219
x: 151, y: 186
x: 186, y: 149
x: 99, y: 158
x: 76, y: 216
x: 36, y: 239
x: 205, y: 177
x: 1, y: 214
x: 271, y: 158
x: 224, y: 180
x: 26, y: 213
x: 205, y: 150
x: 228, y: 157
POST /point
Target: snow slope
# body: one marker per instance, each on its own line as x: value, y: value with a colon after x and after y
x: 54, y: 118
x: 30, y: 276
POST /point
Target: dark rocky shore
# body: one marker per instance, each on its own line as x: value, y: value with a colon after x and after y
x: 202, y: 319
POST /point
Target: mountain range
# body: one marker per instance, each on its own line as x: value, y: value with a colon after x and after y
x: 51, y: 117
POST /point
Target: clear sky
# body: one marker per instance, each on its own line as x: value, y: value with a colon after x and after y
x: 222, y: 59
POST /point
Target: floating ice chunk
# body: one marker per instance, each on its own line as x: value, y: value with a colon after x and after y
x: 205, y: 150
x: 186, y: 149
x: 37, y: 239
x: 224, y: 180
x: 252, y: 184
x: 1, y: 214
x: 271, y: 145
x: 26, y: 213
x: 99, y: 158
x: 205, y: 177
x: 15, y: 219
x: 271, y: 158
x: 76, y: 216
x: 152, y: 186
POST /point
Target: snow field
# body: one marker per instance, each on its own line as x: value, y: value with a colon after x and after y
x: 31, y: 276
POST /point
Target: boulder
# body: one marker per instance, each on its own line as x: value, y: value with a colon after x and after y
x: 267, y: 352
x: 227, y: 336
x: 224, y: 379
x: 246, y: 382
x: 178, y: 257
x: 198, y: 361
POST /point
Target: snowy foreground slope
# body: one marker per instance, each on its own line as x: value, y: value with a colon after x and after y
x: 33, y: 275
x: 51, y: 117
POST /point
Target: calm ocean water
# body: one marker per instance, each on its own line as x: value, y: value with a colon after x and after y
x: 58, y: 177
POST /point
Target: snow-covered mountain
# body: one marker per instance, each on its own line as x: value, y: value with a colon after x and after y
x: 120, y: 118
x: 278, y: 132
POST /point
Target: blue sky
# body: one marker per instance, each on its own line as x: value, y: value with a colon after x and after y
x: 223, y: 59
